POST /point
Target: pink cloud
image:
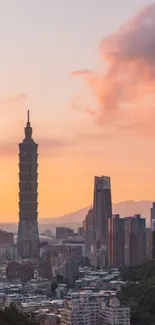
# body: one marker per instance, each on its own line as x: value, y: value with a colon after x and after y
x: 125, y: 92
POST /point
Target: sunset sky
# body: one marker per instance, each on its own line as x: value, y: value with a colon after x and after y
x: 91, y: 98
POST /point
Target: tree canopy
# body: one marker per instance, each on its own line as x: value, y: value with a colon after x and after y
x: 139, y: 293
x: 12, y: 316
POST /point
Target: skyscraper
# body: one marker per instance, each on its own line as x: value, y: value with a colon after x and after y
x: 116, y: 241
x: 102, y: 208
x: 134, y: 233
x: 28, y: 237
x: 89, y: 232
x: 152, y: 219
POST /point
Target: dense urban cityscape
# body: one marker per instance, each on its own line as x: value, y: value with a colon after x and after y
x: 93, y: 151
x: 72, y: 277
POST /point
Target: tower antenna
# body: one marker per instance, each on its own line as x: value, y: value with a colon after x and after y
x: 28, y: 116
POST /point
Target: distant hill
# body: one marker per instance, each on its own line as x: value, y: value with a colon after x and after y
x: 75, y: 219
x: 125, y: 209
x: 72, y: 217
x: 129, y: 208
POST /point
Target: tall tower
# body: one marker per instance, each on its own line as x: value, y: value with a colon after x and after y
x: 152, y: 220
x: 102, y: 208
x: 89, y: 232
x: 134, y: 238
x: 116, y: 241
x: 28, y: 236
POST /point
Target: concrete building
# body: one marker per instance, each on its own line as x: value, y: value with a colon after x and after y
x: 63, y: 232
x: 8, y: 253
x: 116, y: 241
x: 89, y: 232
x: 71, y: 269
x: 28, y: 237
x: 102, y: 209
x: 6, y: 238
x: 80, y: 231
x: 51, y: 319
x: 114, y: 313
x: 149, y: 243
x: 134, y: 235
x: 23, y: 271
x: 152, y: 216
x: 45, y: 268
x: 81, y: 308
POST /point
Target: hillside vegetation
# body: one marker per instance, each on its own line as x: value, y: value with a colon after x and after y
x: 139, y: 293
x: 11, y: 316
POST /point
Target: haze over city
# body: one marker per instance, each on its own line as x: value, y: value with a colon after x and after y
x: 58, y: 60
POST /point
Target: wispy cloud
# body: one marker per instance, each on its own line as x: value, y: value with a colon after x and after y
x: 125, y: 91
x: 14, y: 99
x: 55, y: 145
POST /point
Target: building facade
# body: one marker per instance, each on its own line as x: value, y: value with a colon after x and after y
x: 81, y: 309
x: 152, y: 216
x: 63, y: 232
x: 23, y: 271
x: 134, y: 236
x: 28, y: 237
x: 71, y: 269
x: 149, y: 243
x: 116, y: 241
x: 115, y: 314
x: 89, y: 232
x: 6, y: 238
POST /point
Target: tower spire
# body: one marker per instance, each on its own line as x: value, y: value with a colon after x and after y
x: 28, y: 116
x: 28, y: 128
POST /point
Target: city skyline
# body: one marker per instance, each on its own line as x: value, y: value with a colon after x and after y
x: 73, y: 147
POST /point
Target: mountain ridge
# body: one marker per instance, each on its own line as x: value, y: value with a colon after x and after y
x: 124, y: 208
x: 75, y: 218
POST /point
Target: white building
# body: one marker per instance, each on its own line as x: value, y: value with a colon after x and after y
x: 81, y: 308
x: 114, y: 313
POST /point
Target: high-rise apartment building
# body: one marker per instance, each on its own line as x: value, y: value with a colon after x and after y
x: 102, y: 209
x: 71, y: 269
x: 28, y: 237
x: 116, y: 241
x: 114, y: 313
x: 89, y: 232
x: 152, y: 219
x: 149, y: 243
x: 81, y: 309
x: 134, y: 234
x: 152, y: 224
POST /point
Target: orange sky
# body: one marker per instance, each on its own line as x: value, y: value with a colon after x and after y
x: 66, y: 174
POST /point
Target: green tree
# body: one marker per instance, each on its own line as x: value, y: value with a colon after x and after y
x: 12, y: 316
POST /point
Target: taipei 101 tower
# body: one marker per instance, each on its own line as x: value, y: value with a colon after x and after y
x: 28, y: 236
